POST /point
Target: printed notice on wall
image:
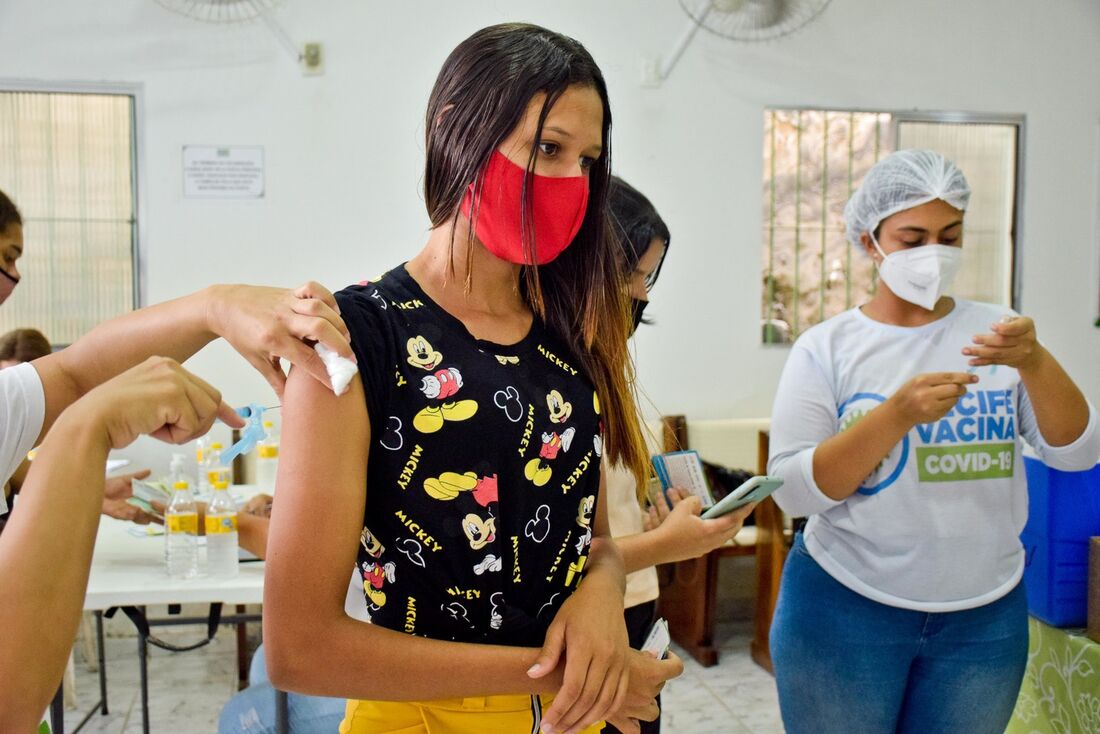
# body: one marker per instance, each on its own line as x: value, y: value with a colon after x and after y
x: 210, y: 172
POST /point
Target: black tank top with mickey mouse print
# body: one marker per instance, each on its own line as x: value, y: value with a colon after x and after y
x: 483, y: 472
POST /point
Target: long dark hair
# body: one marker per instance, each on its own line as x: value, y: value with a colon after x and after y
x: 479, y: 98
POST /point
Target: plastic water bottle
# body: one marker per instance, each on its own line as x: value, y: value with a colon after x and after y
x: 181, y: 532
x: 221, y: 533
x: 216, y: 471
x: 202, y: 460
x: 267, y: 459
x: 177, y: 474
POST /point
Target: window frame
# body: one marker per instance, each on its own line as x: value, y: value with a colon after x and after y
x: 992, y: 118
x: 136, y: 92
x: 1019, y: 120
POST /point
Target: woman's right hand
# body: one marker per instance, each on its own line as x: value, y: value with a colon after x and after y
x: 157, y: 397
x: 685, y: 534
x: 930, y: 396
x: 648, y: 676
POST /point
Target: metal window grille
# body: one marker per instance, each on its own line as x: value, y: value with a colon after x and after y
x: 68, y: 162
x: 815, y: 159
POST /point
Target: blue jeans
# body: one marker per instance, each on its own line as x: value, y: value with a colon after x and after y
x: 252, y: 711
x: 844, y: 663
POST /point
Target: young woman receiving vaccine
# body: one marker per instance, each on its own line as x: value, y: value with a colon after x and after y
x: 897, y: 429
x: 461, y: 474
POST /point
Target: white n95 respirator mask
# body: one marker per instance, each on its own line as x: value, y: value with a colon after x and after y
x: 919, y: 275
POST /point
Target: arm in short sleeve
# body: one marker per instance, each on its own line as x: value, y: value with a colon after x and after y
x: 24, y: 408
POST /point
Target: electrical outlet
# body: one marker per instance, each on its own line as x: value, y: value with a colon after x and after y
x: 312, y: 59
x: 650, y: 72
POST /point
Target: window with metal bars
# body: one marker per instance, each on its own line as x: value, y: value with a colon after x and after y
x: 68, y: 162
x: 815, y: 159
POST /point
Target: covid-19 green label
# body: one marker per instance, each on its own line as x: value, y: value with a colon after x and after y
x: 969, y: 461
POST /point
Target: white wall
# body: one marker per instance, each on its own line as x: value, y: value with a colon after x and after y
x: 344, y: 152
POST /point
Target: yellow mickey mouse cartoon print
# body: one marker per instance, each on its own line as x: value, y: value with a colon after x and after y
x: 584, y: 519
x: 375, y: 576
x: 574, y: 571
x: 439, y: 386
x: 538, y: 470
x: 371, y: 544
x: 422, y: 354
x: 479, y: 532
x: 584, y: 510
x: 560, y: 408
x: 449, y: 485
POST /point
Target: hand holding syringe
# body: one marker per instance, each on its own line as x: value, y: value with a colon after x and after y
x: 340, y: 372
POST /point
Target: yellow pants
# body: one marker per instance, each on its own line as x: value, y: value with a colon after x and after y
x: 476, y: 715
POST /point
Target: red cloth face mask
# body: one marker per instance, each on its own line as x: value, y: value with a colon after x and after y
x: 558, y: 206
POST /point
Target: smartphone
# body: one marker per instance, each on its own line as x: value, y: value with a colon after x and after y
x: 754, y: 489
x: 658, y: 640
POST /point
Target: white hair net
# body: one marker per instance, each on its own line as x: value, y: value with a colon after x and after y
x: 900, y: 181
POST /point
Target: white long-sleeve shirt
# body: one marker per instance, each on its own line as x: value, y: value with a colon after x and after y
x: 936, y: 526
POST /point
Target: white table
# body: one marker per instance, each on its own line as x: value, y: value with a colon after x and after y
x: 128, y: 572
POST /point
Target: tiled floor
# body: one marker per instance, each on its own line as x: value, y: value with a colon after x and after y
x: 187, y: 690
x: 734, y: 697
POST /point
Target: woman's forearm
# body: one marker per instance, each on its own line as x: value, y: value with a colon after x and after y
x: 45, y: 555
x: 842, y: 462
x: 1061, y: 411
x: 342, y: 657
x: 345, y: 658
x: 606, y: 562
x: 643, y: 550
x: 252, y: 533
x: 176, y: 329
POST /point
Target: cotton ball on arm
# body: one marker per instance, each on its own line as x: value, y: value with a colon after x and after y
x: 340, y: 369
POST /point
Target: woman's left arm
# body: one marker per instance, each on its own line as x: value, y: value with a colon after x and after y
x: 1061, y: 411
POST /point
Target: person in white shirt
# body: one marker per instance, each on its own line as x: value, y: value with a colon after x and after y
x: 26, y: 345
x: 263, y: 324
x: 897, y: 429
x: 98, y: 394
x: 662, y: 534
